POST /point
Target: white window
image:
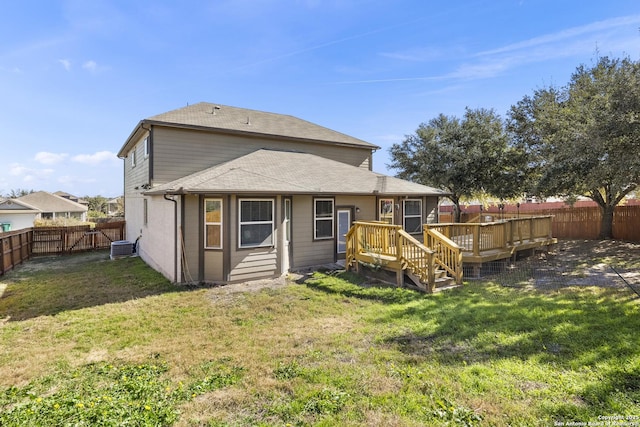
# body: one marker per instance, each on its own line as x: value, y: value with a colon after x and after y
x: 132, y: 155
x: 146, y: 147
x: 213, y: 223
x: 323, y: 218
x: 412, y: 215
x: 256, y: 223
x: 385, y: 212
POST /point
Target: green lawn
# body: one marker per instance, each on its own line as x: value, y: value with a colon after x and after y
x: 92, y: 341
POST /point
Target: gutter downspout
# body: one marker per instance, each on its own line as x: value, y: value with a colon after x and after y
x: 175, y: 236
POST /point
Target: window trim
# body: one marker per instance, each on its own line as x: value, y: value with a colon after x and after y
x: 240, y: 223
x: 316, y: 218
x: 145, y: 144
x: 405, y: 216
x: 133, y: 158
x: 220, y: 223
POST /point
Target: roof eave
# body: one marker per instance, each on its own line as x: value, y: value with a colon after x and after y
x: 139, y: 129
x: 183, y: 191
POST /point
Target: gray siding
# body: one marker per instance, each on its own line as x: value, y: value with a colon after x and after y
x: 138, y: 175
x: 181, y: 152
x: 431, y: 210
x: 191, y: 230
x: 306, y: 251
x: 254, y: 264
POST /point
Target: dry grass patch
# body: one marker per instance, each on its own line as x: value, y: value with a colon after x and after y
x: 329, y: 351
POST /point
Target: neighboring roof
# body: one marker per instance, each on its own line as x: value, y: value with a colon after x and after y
x: 71, y: 197
x: 16, y: 206
x: 286, y: 172
x: 48, y: 202
x: 227, y: 119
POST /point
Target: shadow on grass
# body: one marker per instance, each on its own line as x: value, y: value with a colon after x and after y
x: 572, y: 329
x: 576, y: 326
x: 46, y: 286
x: 356, y: 286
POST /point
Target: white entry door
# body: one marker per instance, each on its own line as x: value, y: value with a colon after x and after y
x: 343, y: 226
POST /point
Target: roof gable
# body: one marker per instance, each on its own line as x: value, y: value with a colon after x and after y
x: 48, y: 202
x: 16, y: 206
x: 227, y: 119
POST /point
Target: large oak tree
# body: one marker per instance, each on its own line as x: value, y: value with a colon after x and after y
x: 584, y: 139
x: 464, y: 156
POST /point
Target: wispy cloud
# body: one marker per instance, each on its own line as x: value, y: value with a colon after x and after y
x: 423, y: 54
x: 33, y: 47
x: 65, y: 63
x: 614, y: 35
x: 571, y: 33
x: 13, y: 70
x: 96, y: 158
x: 326, y: 44
x: 90, y: 65
x: 71, y: 180
x: 47, y: 158
x: 29, y: 175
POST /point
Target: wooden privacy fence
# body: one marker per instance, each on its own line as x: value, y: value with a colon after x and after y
x: 20, y: 245
x: 571, y: 223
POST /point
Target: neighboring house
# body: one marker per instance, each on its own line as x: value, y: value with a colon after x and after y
x: 54, y: 207
x: 72, y: 198
x: 224, y: 194
x: 16, y: 214
x: 115, y: 206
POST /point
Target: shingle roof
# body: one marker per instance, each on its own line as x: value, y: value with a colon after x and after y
x: 286, y: 172
x: 15, y: 205
x: 224, y: 118
x: 48, y: 202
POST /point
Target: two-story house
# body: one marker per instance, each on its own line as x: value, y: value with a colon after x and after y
x: 223, y: 194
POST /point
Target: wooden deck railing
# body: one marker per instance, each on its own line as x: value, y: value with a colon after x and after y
x: 396, y: 249
x: 479, y: 238
x: 448, y: 255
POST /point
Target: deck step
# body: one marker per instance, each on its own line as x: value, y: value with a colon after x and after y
x: 442, y: 281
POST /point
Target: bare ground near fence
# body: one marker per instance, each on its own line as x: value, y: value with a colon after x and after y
x: 604, y: 263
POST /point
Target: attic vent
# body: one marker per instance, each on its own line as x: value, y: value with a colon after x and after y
x: 121, y: 248
x: 214, y: 109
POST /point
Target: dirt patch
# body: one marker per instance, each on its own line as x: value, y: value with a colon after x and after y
x: 58, y: 262
x: 225, y: 292
x: 603, y: 263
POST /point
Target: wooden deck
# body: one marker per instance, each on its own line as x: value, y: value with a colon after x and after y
x: 438, y: 260
x: 486, y: 242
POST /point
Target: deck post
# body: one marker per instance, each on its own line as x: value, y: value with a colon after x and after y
x: 511, y: 232
x: 476, y: 240
x: 531, y: 235
x: 400, y: 278
x: 431, y: 272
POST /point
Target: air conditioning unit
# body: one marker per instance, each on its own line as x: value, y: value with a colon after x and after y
x: 121, y: 248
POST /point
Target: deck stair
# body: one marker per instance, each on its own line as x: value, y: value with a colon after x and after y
x: 389, y: 247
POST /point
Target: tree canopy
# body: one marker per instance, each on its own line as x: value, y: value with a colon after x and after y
x: 584, y: 138
x: 465, y: 156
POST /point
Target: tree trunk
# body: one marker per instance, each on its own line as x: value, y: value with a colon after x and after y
x: 606, y: 224
x: 457, y: 214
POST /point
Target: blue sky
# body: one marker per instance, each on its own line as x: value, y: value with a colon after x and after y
x: 76, y: 76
